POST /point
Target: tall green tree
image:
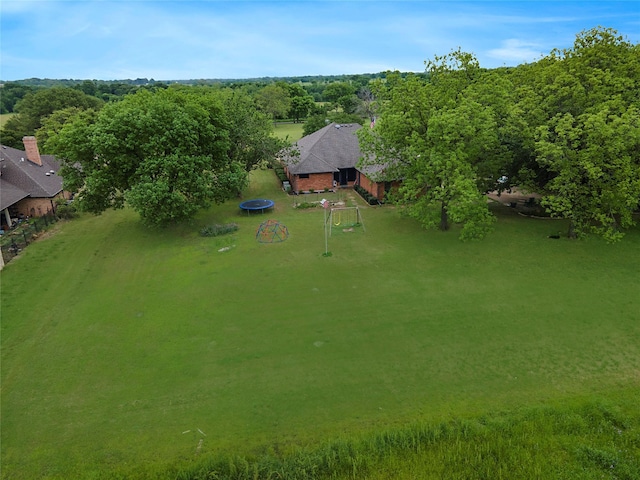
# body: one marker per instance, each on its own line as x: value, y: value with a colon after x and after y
x: 343, y: 95
x: 250, y: 131
x: 301, y: 103
x: 436, y: 139
x: 585, y: 102
x: 53, y: 124
x: 595, y: 160
x: 167, y: 153
x: 336, y: 90
x: 300, y: 107
x: 274, y: 100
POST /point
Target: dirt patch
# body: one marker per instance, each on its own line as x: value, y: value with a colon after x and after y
x: 514, y: 197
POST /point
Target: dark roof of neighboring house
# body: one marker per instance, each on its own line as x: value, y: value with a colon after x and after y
x: 327, y: 150
x: 21, y: 178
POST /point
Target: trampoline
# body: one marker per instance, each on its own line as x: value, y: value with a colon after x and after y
x: 256, y: 204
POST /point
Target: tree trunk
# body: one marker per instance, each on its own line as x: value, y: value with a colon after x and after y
x: 444, y: 218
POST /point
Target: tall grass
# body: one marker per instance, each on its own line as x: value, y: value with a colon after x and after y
x: 584, y: 440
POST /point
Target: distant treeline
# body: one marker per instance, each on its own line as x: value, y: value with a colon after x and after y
x: 107, y: 90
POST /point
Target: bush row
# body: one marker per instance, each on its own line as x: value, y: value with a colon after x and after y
x: 279, y: 169
x: 217, y: 229
x: 370, y: 199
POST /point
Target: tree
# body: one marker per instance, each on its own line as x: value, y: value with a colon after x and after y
x: 10, y: 94
x: 69, y: 136
x: 54, y: 123
x: 596, y: 164
x: 300, y: 107
x: 250, y: 131
x: 581, y: 108
x: 342, y: 94
x: 167, y: 153
x: 336, y: 90
x: 367, y: 107
x: 87, y: 86
x: 315, y: 123
x: 273, y: 100
x: 434, y: 138
x: 35, y: 107
x: 171, y: 188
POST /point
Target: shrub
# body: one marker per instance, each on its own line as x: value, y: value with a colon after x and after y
x: 279, y: 171
x: 65, y: 210
x: 307, y: 205
x: 217, y: 229
x: 370, y: 199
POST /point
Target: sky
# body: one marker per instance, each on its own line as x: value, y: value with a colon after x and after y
x: 214, y: 39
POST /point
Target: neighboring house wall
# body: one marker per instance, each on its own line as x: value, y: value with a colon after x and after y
x: 37, y: 207
x: 315, y: 181
x: 377, y: 189
x: 374, y: 188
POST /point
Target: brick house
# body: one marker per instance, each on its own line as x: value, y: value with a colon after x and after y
x: 29, y: 182
x: 329, y: 158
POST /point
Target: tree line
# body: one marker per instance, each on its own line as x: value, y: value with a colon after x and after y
x: 340, y: 100
x: 567, y: 127
x: 108, y: 90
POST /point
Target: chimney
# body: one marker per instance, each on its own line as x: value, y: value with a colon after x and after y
x: 31, y: 147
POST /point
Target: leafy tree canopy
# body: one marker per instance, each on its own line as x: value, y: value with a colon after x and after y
x: 36, y: 106
x: 10, y: 94
x: 437, y: 140
x: 581, y: 109
x: 274, y: 100
x: 565, y: 126
x: 167, y: 153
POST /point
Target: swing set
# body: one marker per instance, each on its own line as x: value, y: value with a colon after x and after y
x: 345, y: 217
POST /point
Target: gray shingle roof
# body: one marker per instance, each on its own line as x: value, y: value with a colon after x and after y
x: 21, y: 178
x: 326, y: 150
x: 10, y: 194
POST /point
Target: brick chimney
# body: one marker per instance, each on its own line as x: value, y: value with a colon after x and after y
x: 31, y: 147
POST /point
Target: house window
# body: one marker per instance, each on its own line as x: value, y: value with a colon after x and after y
x: 303, y: 175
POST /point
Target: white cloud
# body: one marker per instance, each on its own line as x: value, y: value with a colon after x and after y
x: 514, y: 50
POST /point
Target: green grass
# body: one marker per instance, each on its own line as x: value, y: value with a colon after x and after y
x: 4, y: 117
x: 586, y: 440
x: 120, y: 344
x: 290, y: 131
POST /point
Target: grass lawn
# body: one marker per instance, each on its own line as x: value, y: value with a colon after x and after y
x: 291, y: 131
x: 4, y: 117
x: 125, y: 349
